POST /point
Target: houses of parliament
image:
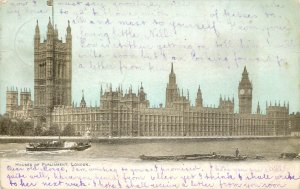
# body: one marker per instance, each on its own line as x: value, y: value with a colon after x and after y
x: 128, y: 113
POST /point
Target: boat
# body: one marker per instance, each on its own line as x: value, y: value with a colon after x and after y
x: 179, y: 157
x: 211, y: 156
x: 289, y: 155
x: 200, y: 156
x: 259, y: 157
x: 58, y: 145
x: 156, y: 158
x: 232, y: 158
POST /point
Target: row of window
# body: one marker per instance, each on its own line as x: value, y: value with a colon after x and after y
x: 177, y: 130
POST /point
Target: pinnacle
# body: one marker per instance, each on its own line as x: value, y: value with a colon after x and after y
x: 245, y: 70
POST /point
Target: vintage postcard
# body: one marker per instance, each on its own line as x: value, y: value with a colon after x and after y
x: 149, y: 94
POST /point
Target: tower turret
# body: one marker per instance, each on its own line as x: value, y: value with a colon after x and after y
x: 69, y: 35
x: 101, y: 91
x: 199, y: 100
x: 37, y: 40
x: 49, y: 72
x: 245, y: 94
x: 69, y: 28
x: 258, y: 109
x: 25, y: 98
x: 50, y: 29
x: 142, y: 94
x: 55, y: 32
x: 11, y: 100
x: 171, y: 90
x: 172, y: 76
x: 69, y: 65
x: 130, y: 89
x: 82, y: 102
x: 37, y: 35
x: 53, y: 73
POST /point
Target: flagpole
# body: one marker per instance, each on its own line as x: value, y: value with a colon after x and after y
x: 53, y: 13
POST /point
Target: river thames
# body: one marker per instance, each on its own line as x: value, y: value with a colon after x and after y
x: 270, y: 148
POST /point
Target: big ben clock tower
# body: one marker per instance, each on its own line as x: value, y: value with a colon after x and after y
x: 245, y: 94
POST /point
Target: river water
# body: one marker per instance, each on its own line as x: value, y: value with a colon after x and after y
x: 130, y: 151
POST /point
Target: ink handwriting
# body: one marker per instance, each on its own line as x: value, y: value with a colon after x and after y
x: 150, y: 175
x: 152, y: 31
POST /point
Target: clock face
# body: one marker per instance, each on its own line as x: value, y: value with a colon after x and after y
x: 242, y: 91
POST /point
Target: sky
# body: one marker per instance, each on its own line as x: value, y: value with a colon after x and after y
x: 133, y: 41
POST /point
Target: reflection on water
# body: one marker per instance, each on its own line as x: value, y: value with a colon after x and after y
x: 269, y: 148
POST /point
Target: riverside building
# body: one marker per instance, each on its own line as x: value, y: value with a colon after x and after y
x: 129, y: 114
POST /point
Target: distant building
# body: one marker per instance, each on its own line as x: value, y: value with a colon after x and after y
x: 294, y: 122
x: 14, y: 109
x: 128, y: 113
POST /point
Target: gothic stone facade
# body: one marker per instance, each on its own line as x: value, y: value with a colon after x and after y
x: 295, y: 124
x: 22, y: 110
x: 52, y: 73
x: 129, y: 114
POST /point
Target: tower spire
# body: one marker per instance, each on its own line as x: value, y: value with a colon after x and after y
x: 68, y: 28
x: 50, y: 27
x: 245, y: 72
x: 82, y: 102
x: 258, y: 108
x: 199, y: 100
x: 37, y: 29
x: 142, y: 85
x: 172, y: 91
x: 49, y: 22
